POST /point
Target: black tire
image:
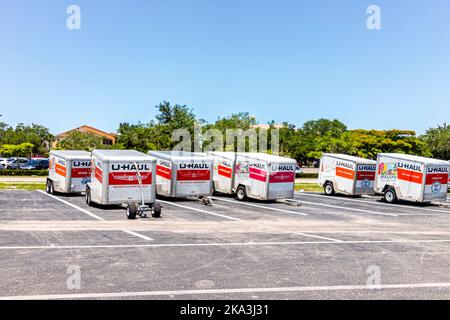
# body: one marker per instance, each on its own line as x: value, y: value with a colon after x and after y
x: 47, y: 186
x: 131, y: 212
x: 156, y: 212
x: 241, y: 194
x: 390, y: 196
x: 88, y: 197
x: 328, y: 188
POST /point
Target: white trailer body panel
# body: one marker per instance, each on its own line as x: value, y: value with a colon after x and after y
x: 70, y: 170
x: 414, y: 178
x: 114, y: 178
x: 349, y: 175
x: 265, y: 177
x: 183, y: 174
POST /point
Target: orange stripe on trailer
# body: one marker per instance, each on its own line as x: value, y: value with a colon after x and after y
x: 163, y: 172
x: 345, y: 173
x: 224, y: 171
x: 411, y: 176
x: 60, y: 169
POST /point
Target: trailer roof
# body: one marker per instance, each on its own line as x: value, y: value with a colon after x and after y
x: 411, y: 157
x: 123, y: 155
x: 71, y: 154
x: 179, y: 155
x: 350, y: 158
x: 265, y: 157
x: 224, y: 154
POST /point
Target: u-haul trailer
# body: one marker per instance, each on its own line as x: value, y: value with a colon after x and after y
x: 124, y: 177
x: 411, y: 178
x: 254, y: 175
x: 223, y: 171
x: 69, y: 171
x: 346, y: 174
x: 183, y: 174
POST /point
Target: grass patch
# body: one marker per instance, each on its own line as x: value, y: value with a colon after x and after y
x: 22, y: 186
x: 308, y: 187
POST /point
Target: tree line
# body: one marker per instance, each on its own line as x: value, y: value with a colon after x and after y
x: 303, y: 143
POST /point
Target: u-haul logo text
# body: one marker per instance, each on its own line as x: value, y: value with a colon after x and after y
x: 194, y: 166
x: 437, y: 170
x: 257, y: 165
x: 409, y: 166
x: 130, y: 167
x: 83, y: 164
x: 366, y: 167
x: 164, y: 163
x: 283, y: 167
x: 345, y: 165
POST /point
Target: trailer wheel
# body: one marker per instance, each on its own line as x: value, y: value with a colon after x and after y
x: 328, y: 188
x: 241, y: 193
x: 48, y: 187
x: 131, y: 211
x: 156, y: 213
x: 390, y: 196
x: 88, y: 197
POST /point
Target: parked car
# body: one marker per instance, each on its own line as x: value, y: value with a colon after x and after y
x: 16, y: 163
x: 298, y: 170
x: 37, y: 164
x: 2, y: 163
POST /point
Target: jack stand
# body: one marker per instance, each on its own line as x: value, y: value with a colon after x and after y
x: 289, y: 202
x: 206, y: 201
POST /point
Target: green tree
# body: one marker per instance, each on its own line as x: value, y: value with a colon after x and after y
x: 438, y: 141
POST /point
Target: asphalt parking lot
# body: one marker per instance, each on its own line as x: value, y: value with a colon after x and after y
x: 320, y: 248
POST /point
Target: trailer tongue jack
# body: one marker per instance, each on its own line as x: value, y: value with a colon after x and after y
x: 142, y: 209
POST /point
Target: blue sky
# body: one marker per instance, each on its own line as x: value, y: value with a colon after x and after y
x: 282, y: 60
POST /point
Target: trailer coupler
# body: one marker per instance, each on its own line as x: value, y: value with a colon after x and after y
x: 289, y: 202
x: 207, y: 201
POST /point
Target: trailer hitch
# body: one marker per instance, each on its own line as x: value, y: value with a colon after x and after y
x: 289, y: 202
x: 207, y: 201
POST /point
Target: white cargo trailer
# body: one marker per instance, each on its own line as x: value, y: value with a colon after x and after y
x: 223, y: 171
x: 346, y: 174
x: 124, y: 177
x: 183, y: 174
x: 69, y: 171
x: 412, y: 178
x: 260, y: 176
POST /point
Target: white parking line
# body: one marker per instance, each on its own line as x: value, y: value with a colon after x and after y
x: 73, y: 206
x: 138, y: 235
x: 398, y: 206
x: 319, y: 237
x: 200, y: 210
x: 259, y: 206
x: 228, y: 291
x: 346, y: 208
x: 92, y: 215
x: 223, y: 244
